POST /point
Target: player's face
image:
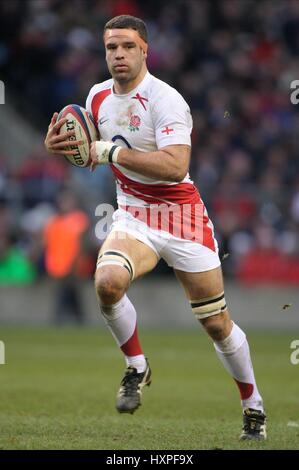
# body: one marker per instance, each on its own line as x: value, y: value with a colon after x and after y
x: 124, y: 58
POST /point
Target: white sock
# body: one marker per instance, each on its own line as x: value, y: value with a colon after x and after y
x: 138, y: 362
x: 234, y: 354
x: 121, y: 319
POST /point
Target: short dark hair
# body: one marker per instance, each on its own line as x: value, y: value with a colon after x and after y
x: 128, y: 22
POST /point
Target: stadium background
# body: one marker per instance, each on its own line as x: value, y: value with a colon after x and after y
x: 233, y: 61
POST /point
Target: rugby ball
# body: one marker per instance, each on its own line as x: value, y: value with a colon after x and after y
x: 80, y: 121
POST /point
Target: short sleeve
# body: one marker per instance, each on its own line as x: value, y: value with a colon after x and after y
x: 172, y: 118
x: 89, y: 100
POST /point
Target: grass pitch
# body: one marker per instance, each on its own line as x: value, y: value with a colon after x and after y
x: 58, y: 390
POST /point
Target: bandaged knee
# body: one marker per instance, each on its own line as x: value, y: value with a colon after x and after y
x: 208, y: 306
x: 116, y: 258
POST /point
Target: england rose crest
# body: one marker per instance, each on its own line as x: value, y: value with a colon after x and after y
x: 135, y: 122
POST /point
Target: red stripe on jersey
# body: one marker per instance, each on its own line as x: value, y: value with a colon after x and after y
x: 186, y: 218
x: 132, y: 346
x: 180, y: 193
x: 97, y: 100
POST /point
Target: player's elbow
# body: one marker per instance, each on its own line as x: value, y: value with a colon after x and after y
x: 183, y: 174
x: 178, y: 165
x: 180, y: 168
x: 179, y: 174
x: 176, y: 178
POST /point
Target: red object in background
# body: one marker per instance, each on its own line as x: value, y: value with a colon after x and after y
x: 263, y: 51
x: 243, y: 205
x: 38, y: 166
x: 85, y: 264
x: 269, y: 267
x: 124, y: 7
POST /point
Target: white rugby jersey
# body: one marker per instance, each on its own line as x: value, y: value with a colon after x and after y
x: 148, y: 118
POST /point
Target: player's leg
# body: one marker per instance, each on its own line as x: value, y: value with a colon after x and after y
x: 205, y: 292
x: 122, y: 259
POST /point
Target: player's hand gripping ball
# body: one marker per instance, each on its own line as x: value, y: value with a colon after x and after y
x: 82, y: 128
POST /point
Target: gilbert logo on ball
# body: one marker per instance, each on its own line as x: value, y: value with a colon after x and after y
x: 2, y: 92
x: 2, y: 353
x: 81, y: 123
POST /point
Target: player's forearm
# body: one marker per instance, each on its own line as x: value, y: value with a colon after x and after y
x: 159, y: 165
x: 168, y: 164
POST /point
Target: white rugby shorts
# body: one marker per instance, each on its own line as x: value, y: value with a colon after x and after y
x: 184, y: 255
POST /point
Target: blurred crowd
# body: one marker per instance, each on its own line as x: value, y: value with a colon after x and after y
x: 232, y: 60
